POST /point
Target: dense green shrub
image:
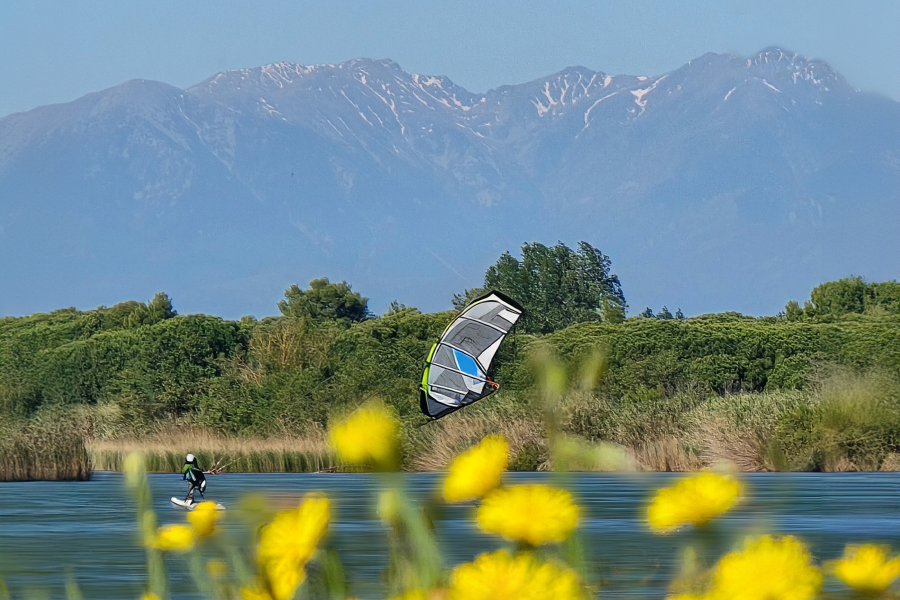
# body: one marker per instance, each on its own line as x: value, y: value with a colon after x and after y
x: 722, y: 352
x: 848, y: 296
x: 138, y: 367
x: 385, y: 357
x: 853, y: 417
x: 169, y: 362
x: 631, y: 422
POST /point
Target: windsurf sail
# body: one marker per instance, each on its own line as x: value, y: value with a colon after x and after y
x: 456, y: 372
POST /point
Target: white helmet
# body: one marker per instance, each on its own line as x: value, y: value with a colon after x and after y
x: 189, y: 458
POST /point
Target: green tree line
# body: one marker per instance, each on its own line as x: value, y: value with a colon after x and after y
x: 139, y: 366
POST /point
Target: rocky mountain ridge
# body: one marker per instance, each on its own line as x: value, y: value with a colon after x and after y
x: 409, y: 186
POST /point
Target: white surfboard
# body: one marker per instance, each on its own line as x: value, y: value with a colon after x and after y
x: 190, y: 505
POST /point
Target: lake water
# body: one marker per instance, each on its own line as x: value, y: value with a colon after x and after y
x: 47, y: 528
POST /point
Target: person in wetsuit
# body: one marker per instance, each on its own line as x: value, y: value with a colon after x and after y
x: 192, y: 473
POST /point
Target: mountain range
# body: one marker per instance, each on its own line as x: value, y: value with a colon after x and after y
x: 730, y: 183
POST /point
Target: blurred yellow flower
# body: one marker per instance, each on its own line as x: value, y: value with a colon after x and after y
x: 288, y: 542
x: 866, y: 568
x: 433, y: 594
x: 501, y: 576
x: 203, y: 519
x: 696, y: 500
x: 254, y: 593
x: 769, y: 568
x: 368, y: 436
x: 411, y: 595
x: 284, y: 579
x: 149, y: 596
x: 173, y: 538
x: 535, y: 514
x: 477, y: 471
x: 216, y: 568
x: 390, y: 506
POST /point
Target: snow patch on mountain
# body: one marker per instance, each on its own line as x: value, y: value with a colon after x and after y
x: 639, y: 94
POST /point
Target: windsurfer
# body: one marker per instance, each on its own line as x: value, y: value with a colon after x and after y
x: 196, y: 476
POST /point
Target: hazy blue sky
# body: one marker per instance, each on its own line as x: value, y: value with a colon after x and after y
x: 56, y: 51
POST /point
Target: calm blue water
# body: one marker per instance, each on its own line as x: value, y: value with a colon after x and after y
x: 88, y: 527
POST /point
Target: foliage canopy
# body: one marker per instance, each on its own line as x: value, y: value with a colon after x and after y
x: 851, y: 295
x: 558, y: 286
x: 325, y: 301
x: 134, y: 367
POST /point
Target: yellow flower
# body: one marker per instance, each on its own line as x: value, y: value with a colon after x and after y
x: 477, y: 471
x: 149, y: 596
x: 501, y: 576
x: 390, y: 507
x: 866, y: 568
x: 254, y: 593
x: 412, y: 595
x: 769, y: 568
x: 173, y: 538
x: 434, y: 594
x: 203, y: 519
x: 696, y: 500
x: 535, y: 514
x: 368, y: 436
x: 288, y: 542
x: 284, y: 579
x: 216, y: 568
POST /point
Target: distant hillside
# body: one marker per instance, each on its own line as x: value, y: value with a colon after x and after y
x: 731, y: 181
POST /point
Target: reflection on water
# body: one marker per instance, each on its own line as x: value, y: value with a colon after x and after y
x: 48, y: 527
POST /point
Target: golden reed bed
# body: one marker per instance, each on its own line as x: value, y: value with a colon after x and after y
x: 165, y: 452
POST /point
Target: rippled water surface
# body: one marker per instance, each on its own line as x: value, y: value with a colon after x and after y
x: 47, y: 528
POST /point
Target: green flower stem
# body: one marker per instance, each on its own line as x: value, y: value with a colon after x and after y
x: 204, y: 584
x: 73, y: 592
x: 243, y: 572
x: 335, y: 577
x: 157, y: 579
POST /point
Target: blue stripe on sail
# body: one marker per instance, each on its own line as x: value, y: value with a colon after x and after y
x: 466, y: 363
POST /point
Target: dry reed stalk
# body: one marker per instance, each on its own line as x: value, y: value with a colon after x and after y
x: 164, y: 451
x: 840, y: 465
x: 193, y: 438
x: 52, y: 452
x: 722, y: 442
x: 455, y: 433
x: 575, y: 454
x: 667, y: 454
x: 890, y: 463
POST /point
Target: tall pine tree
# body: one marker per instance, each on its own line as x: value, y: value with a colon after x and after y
x: 558, y: 286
